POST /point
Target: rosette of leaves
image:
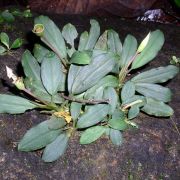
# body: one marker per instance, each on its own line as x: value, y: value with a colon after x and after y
x: 5, y: 46
x: 84, y: 88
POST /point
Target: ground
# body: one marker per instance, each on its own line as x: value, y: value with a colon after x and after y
x: 150, y: 152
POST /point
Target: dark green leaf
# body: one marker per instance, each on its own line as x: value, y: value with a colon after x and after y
x: 17, y: 43
x: 114, y: 43
x: 155, y: 43
x: 83, y: 78
x: 30, y: 66
x: 69, y: 33
x: 128, y: 91
x: 102, y: 42
x: 40, y: 52
x: 38, y: 137
x: 52, y: 36
x: 4, y: 39
x: 56, y: 123
x: 51, y: 73
x: 75, y: 110
x: 55, y: 149
x: 116, y: 137
x: 118, y: 121
x: 154, y: 91
x: 128, y: 50
x: 94, y: 115
x: 92, y: 134
x: 8, y: 17
x: 157, y: 108
x: 156, y: 75
x: 14, y: 104
x: 80, y: 57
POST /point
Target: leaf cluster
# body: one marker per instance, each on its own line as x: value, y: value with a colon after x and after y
x: 5, y: 46
x: 8, y: 16
x: 85, y: 88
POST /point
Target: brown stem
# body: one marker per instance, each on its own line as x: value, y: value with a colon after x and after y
x: 84, y: 101
x: 31, y: 94
x: 124, y: 71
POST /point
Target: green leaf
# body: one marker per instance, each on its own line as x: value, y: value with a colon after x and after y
x: 157, y: 108
x: 52, y: 36
x: 156, y: 75
x: 92, y: 134
x: 75, y: 110
x: 2, y: 50
x: 37, y: 88
x: 128, y: 50
x: 107, y: 81
x: 154, y: 91
x: 118, y: 121
x: 30, y: 66
x: 55, y: 149
x: 8, y: 17
x: 116, y: 137
x: 128, y: 91
x: 56, y: 123
x: 4, y: 39
x: 40, y: 52
x: 93, y: 35
x: 27, y: 13
x: 38, y: 137
x: 135, y: 98
x: 84, y: 77
x: 17, y: 43
x: 93, y: 115
x: 102, y: 42
x: 111, y: 94
x: 14, y: 104
x: 114, y: 42
x: 88, y: 40
x: 80, y: 57
x: 155, y: 43
x: 83, y: 40
x: 133, y: 112
x: 51, y: 73
x: 69, y: 33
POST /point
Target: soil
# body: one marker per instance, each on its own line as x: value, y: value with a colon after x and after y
x: 148, y: 153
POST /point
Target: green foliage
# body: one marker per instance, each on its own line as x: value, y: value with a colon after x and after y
x: 38, y: 137
x: 6, y: 48
x: 85, y: 88
x: 8, y: 16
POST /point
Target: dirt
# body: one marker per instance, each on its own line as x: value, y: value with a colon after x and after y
x: 148, y: 153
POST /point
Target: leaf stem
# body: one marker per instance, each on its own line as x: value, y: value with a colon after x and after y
x: 47, y: 105
x: 124, y: 71
x: 84, y: 101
